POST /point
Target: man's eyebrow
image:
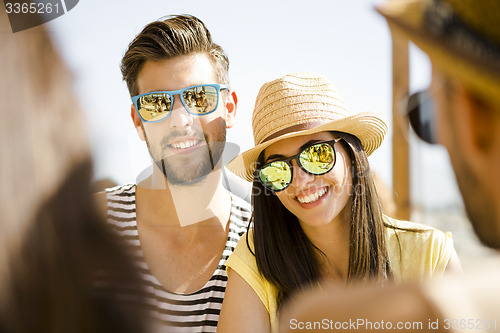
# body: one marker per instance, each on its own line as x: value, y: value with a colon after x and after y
x: 304, y: 146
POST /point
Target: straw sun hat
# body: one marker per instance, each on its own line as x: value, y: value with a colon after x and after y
x: 461, y: 37
x: 301, y: 104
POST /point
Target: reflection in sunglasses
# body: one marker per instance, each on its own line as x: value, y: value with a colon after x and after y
x: 317, y: 159
x: 198, y: 100
x: 275, y: 172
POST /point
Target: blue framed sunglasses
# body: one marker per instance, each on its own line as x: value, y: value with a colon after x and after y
x: 198, y: 100
x: 316, y: 159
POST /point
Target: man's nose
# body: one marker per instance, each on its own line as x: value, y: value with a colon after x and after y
x: 179, y: 116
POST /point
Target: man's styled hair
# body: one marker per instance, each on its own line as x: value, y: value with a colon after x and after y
x: 175, y: 36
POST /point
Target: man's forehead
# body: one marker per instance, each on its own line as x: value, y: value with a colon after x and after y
x: 175, y: 73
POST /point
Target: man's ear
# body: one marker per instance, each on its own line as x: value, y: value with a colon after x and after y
x: 231, y: 106
x: 137, y: 123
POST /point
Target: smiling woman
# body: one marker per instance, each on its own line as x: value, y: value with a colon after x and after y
x: 317, y: 216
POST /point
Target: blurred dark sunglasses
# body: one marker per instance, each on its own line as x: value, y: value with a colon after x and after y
x: 420, y: 110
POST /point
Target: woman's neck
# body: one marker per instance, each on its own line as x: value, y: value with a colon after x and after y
x: 333, y: 240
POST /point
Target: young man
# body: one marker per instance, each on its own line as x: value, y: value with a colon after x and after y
x: 462, y: 39
x: 179, y: 219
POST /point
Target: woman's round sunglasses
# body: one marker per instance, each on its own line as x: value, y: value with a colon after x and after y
x: 316, y: 159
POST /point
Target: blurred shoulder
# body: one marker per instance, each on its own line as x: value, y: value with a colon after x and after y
x: 402, y: 225
x: 416, y: 234
x: 417, y: 251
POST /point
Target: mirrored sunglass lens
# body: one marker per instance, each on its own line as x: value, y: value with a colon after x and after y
x: 318, y: 159
x: 420, y: 112
x: 276, y: 175
x: 154, y: 107
x: 200, y: 100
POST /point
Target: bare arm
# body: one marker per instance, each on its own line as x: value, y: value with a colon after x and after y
x: 454, y: 266
x: 404, y: 304
x: 242, y: 310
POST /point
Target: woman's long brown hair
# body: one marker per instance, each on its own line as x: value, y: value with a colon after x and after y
x: 288, y: 259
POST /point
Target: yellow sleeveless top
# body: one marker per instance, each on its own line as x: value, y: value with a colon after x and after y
x: 414, y: 256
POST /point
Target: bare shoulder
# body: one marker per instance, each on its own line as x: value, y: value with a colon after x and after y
x: 242, y: 310
x: 454, y: 266
x: 101, y: 203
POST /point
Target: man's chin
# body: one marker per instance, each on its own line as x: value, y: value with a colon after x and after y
x: 190, y: 170
x: 479, y: 205
x: 184, y: 175
x: 187, y: 181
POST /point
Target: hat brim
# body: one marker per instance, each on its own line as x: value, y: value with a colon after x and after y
x: 406, y: 18
x: 368, y: 127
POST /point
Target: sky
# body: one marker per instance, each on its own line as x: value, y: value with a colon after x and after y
x: 345, y: 40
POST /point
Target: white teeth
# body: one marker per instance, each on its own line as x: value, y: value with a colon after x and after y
x: 184, y: 144
x: 312, y: 197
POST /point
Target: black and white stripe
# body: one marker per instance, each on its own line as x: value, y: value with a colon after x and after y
x: 195, y: 312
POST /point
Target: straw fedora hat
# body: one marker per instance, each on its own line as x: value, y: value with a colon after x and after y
x: 301, y: 104
x: 461, y: 37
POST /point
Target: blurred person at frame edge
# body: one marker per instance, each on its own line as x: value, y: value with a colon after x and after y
x: 462, y: 105
x: 52, y: 240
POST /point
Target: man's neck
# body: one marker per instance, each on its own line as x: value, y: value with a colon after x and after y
x: 163, y: 204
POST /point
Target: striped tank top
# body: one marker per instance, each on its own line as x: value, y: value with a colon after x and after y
x: 194, y: 312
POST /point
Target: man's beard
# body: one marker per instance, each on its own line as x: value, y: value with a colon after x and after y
x: 479, y: 204
x: 186, y: 175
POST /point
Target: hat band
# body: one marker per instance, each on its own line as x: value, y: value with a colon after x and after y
x: 294, y: 128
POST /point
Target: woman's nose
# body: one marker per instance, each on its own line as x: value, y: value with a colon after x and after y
x: 300, y: 177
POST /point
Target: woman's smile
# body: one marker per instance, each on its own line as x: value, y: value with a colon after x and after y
x: 307, y: 198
